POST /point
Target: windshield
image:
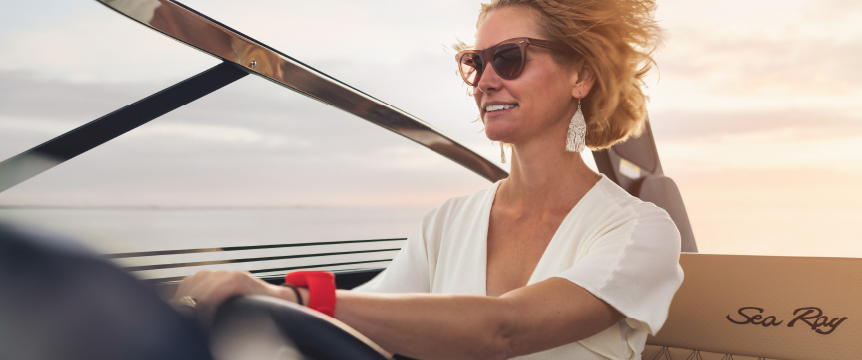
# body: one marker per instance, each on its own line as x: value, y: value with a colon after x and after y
x: 767, y: 161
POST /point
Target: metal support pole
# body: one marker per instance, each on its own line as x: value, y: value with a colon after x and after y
x: 30, y: 163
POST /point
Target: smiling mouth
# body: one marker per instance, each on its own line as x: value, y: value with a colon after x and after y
x: 493, y: 108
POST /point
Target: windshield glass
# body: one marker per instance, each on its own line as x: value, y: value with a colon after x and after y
x: 766, y: 164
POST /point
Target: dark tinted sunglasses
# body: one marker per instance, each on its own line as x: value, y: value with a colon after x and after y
x: 507, y: 58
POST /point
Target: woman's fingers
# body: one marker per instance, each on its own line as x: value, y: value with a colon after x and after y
x: 189, y: 285
x: 220, y: 286
x: 210, y: 289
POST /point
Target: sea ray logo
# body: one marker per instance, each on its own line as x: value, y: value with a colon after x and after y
x: 810, y: 315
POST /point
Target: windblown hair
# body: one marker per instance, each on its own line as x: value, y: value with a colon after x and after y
x: 616, y: 39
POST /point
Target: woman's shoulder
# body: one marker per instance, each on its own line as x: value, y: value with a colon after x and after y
x: 622, y: 204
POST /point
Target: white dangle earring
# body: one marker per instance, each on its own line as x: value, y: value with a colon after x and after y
x: 577, y: 132
x: 502, y: 153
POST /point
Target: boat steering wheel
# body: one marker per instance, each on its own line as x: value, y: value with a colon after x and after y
x: 313, y: 335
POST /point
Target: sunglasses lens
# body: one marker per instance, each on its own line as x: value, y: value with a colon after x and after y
x: 471, y: 67
x: 508, y: 60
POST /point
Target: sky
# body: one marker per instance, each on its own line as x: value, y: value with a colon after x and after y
x: 755, y: 107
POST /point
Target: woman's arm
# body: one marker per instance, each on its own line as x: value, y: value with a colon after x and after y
x: 538, y: 317
x: 541, y: 316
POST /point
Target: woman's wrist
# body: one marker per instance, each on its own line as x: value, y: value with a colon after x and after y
x: 304, y: 293
x: 286, y: 293
x: 321, y: 283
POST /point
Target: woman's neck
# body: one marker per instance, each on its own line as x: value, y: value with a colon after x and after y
x: 546, y: 177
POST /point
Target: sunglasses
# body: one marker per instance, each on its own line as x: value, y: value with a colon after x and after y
x: 507, y: 58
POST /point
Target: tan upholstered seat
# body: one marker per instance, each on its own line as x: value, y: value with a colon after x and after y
x: 764, y: 307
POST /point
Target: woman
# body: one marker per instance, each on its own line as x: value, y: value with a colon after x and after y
x: 556, y: 261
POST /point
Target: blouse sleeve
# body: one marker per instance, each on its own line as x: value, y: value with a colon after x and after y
x: 634, y: 267
x: 409, y: 271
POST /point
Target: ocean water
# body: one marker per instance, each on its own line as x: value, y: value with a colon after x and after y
x: 121, y: 230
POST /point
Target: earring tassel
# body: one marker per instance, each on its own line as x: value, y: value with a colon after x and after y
x: 577, y: 132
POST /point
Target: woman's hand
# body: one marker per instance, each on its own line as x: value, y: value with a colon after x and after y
x: 209, y: 289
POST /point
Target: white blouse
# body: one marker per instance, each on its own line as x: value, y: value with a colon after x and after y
x: 622, y: 250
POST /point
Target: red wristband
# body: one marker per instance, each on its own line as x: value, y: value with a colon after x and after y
x: 321, y: 289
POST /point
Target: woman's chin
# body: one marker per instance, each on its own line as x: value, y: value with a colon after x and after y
x: 497, y: 134
x: 497, y: 138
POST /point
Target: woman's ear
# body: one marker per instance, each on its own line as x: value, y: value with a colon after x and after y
x: 582, y: 79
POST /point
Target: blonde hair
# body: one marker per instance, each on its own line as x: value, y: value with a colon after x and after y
x: 616, y: 39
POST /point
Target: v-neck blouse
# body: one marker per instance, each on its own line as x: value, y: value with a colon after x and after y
x: 619, y: 248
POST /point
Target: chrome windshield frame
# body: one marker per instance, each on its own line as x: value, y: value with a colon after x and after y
x: 194, y: 29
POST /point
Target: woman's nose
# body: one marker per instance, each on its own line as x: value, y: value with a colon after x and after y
x: 489, y: 81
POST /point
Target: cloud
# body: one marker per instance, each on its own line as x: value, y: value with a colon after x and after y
x: 28, y: 95
x: 99, y: 45
x: 52, y: 127
x: 766, y: 67
x: 385, y: 32
x: 768, y: 151
x: 770, y: 55
x: 747, y: 140
x: 81, y: 44
x: 217, y: 133
x: 707, y: 125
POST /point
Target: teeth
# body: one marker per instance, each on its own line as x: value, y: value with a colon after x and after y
x: 490, y: 108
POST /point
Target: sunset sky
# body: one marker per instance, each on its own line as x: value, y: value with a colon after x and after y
x: 756, y: 109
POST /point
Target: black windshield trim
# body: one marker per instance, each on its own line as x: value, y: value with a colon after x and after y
x: 238, y: 248
x: 245, y: 260
x: 178, y: 278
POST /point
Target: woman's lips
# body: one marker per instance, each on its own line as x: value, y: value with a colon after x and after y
x: 501, y: 111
